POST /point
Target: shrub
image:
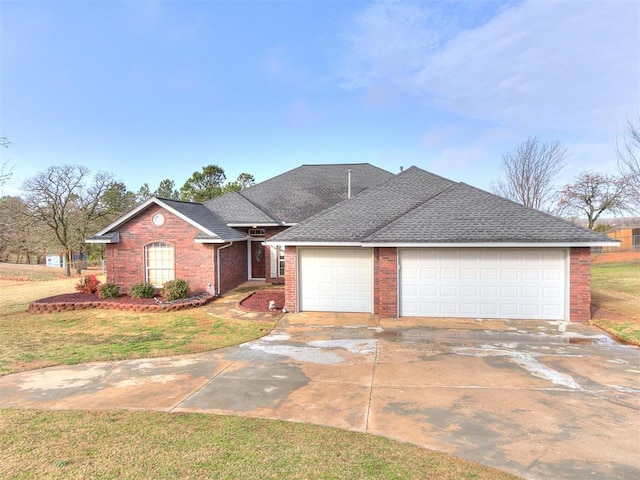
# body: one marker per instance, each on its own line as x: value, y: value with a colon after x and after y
x: 109, y: 290
x: 142, y: 290
x: 175, y: 289
x: 88, y: 284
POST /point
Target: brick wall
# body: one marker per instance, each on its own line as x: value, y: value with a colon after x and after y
x: 385, y: 282
x: 580, y: 285
x: 233, y: 265
x: 126, y: 262
x: 291, y: 278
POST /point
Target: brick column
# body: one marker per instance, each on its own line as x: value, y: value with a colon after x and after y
x: 580, y: 284
x: 291, y: 279
x: 385, y: 282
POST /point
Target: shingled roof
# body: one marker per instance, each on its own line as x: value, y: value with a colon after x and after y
x: 296, y: 195
x: 211, y: 227
x: 417, y: 207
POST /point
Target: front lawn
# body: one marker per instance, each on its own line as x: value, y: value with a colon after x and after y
x: 154, y: 445
x: 615, y: 298
x: 29, y: 341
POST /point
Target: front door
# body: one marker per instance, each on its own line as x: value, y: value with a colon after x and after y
x: 257, y: 260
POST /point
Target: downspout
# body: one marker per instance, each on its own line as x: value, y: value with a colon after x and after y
x: 218, y: 265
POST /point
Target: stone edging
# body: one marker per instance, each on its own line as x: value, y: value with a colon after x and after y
x: 44, y: 307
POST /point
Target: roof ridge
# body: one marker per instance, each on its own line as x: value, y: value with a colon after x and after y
x: 258, y: 207
x: 547, y: 214
x: 164, y: 199
x: 409, y: 211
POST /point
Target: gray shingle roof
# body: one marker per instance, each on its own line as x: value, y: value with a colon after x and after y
x: 297, y: 194
x: 205, y: 218
x: 419, y: 207
x: 233, y: 208
x: 212, y: 228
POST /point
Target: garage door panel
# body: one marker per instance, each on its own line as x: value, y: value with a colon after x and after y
x: 336, y: 279
x: 499, y: 283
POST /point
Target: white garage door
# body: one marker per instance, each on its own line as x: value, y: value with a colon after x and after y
x: 336, y: 279
x: 483, y: 283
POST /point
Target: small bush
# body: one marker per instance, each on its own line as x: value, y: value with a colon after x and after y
x: 142, y: 290
x: 175, y: 289
x: 109, y: 290
x: 88, y: 284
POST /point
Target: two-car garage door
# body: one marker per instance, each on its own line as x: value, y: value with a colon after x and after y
x: 483, y: 283
x: 440, y: 282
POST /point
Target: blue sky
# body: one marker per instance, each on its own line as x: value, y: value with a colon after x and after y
x: 149, y: 90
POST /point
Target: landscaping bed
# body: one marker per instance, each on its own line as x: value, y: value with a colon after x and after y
x: 82, y: 301
x: 259, y: 300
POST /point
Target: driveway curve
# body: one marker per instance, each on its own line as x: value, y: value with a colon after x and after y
x: 543, y: 400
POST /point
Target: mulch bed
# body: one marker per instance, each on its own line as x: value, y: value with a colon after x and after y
x: 259, y: 300
x: 83, y: 301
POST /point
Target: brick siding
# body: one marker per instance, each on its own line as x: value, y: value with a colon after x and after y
x: 385, y: 282
x: 233, y: 265
x: 580, y: 285
x: 291, y: 279
x: 194, y: 262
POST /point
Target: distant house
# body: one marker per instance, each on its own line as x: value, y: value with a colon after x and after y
x: 356, y: 238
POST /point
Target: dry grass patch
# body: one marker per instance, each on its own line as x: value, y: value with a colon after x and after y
x: 615, y: 295
x: 136, y: 445
x: 19, y: 271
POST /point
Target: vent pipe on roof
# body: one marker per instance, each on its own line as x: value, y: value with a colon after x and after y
x: 349, y: 183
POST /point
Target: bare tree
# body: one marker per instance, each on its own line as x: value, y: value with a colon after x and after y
x: 4, y: 174
x: 629, y: 160
x: 592, y: 194
x: 530, y: 171
x: 60, y: 198
x: 20, y: 235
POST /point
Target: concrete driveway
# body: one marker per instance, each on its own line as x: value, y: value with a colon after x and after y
x: 543, y: 400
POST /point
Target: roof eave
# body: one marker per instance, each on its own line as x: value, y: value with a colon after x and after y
x: 113, y: 237
x: 284, y: 243
x: 256, y: 224
x: 313, y: 244
x: 490, y: 244
x: 143, y: 206
x: 220, y: 240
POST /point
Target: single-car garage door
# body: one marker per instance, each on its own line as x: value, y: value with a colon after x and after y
x: 335, y: 279
x: 483, y: 283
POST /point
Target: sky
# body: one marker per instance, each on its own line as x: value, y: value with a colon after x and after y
x: 149, y: 90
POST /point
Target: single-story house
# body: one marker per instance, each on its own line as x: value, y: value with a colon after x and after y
x: 356, y: 238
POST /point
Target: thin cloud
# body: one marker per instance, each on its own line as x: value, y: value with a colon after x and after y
x: 301, y: 113
x: 539, y: 64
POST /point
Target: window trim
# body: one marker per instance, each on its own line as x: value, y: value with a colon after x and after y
x: 171, y: 270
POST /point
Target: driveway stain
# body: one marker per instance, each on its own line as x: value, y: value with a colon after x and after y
x: 526, y: 360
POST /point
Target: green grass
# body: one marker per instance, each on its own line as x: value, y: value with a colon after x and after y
x: 29, y: 341
x: 615, y: 292
x: 154, y: 445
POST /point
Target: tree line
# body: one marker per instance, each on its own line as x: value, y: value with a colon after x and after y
x: 64, y: 205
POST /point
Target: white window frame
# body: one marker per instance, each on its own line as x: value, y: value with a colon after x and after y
x: 280, y: 261
x: 164, y: 267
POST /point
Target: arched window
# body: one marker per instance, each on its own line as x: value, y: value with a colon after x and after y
x: 159, y: 263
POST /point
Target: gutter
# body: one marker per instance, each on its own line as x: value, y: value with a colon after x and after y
x: 444, y: 245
